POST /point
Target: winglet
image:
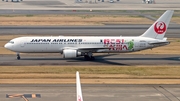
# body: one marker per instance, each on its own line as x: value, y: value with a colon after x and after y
x: 78, y: 87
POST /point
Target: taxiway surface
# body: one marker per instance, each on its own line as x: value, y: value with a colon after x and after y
x: 107, y: 30
x: 93, y: 92
x: 71, y: 5
x: 103, y: 59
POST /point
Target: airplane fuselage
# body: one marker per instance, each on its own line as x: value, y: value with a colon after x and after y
x: 94, y: 44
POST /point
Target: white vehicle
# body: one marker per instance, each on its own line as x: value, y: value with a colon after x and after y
x: 75, y: 46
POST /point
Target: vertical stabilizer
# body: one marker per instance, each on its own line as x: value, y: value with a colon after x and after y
x: 78, y: 87
x: 159, y: 28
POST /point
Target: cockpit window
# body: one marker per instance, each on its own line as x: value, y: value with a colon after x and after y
x: 12, y: 42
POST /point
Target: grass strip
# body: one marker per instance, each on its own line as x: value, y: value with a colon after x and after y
x: 84, y: 19
x: 81, y: 19
x: 123, y: 70
x: 90, y: 81
x: 90, y: 74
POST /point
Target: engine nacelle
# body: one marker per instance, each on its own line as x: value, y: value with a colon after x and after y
x: 68, y: 53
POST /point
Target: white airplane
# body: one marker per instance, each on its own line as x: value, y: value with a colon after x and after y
x: 74, y: 46
x: 78, y: 88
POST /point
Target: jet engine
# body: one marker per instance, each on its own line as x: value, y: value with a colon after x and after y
x: 68, y: 53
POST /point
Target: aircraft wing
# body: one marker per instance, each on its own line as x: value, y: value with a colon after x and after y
x: 94, y: 49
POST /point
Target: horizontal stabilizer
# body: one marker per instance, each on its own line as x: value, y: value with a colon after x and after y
x: 159, y: 43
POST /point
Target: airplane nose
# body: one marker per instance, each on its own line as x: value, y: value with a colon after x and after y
x: 6, y: 46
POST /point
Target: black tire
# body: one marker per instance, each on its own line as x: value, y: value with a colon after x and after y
x: 92, y: 58
x: 86, y: 57
x: 18, y: 57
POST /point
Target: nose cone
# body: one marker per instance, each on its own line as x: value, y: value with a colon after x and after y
x: 7, y: 46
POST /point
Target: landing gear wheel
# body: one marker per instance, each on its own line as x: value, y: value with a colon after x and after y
x: 89, y: 58
x: 86, y: 57
x: 18, y: 56
x: 92, y: 58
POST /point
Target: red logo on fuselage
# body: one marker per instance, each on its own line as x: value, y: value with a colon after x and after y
x: 115, y: 44
x: 160, y: 27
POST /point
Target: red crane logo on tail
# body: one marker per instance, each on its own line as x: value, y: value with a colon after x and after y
x: 160, y: 27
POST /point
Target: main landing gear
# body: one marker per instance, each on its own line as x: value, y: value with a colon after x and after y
x: 86, y: 57
x: 18, y: 56
x: 89, y: 57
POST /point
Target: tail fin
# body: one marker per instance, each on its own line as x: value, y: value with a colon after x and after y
x: 78, y: 88
x: 159, y: 28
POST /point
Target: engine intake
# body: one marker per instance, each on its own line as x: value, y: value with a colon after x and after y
x: 68, y: 53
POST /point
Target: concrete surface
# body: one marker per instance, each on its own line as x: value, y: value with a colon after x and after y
x: 104, y: 59
x: 108, y: 30
x: 94, y: 92
x: 71, y: 5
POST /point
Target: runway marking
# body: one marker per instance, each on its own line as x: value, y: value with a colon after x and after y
x: 33, y: 95
x: 167, y: 94
x: 151, y: 95
x: 24, y: 96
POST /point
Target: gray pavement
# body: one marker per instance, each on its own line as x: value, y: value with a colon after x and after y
x: 108, y: 30
x: 93, y: 92
x: 95, y: 12
x: 71, y: 5
x: 103, y: 59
